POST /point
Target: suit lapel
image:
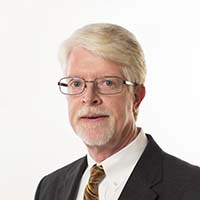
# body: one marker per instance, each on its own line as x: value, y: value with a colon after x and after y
x: 146, y: 174
x: 73, y: 179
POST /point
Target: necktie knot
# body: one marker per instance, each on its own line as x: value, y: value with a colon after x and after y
x: 97, y: 174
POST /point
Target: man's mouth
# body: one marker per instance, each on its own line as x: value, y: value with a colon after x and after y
x: 94, y: 117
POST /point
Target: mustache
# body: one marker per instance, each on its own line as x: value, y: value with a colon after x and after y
x: 93, y: 111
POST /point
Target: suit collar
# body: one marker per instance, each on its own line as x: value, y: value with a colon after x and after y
x: 146, y: 174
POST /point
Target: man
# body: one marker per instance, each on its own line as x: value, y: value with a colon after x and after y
x: 104, y: 74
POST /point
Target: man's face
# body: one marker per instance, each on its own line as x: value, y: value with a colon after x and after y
x: 99, y: 119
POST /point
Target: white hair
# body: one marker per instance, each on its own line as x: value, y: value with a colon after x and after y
x: 111, y: 42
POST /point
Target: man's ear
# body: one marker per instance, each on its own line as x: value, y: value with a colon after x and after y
x: 139, y: 93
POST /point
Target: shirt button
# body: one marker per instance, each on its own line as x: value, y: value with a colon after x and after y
x: 115, y: 184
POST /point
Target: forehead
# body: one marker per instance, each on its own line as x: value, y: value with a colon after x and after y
x: 84, y: 63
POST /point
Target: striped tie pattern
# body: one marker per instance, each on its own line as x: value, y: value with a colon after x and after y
x: 96, y: 176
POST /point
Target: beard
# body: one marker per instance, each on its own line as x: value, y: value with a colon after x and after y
x: 98, y: 133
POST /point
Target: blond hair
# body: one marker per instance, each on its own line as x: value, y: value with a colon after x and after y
x: 111, y: 42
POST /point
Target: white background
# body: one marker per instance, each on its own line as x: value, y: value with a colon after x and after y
x: 35, y: 135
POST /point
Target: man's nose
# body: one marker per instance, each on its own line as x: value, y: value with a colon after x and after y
x: 90, y: 96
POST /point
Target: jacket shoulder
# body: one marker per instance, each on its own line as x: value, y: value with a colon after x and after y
x: 61, y: 173
x: 171, y: 177
x: 181, y: 177
x: 177, y: 167
x: 53, y: 185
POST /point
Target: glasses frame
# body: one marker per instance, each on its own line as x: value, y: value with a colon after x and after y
x: 124, y: 82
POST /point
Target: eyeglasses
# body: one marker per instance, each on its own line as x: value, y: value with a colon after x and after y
x: 106, y: 85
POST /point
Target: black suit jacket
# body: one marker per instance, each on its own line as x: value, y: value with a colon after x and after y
x: 157, y: 176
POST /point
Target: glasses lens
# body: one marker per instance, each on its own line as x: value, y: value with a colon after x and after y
x: 109, y: 85
x: 71, y: 86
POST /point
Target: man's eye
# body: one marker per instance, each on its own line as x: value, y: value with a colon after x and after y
x: 108, y: 83
x: 76, y: 84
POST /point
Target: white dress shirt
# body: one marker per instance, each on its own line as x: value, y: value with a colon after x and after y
x: 117, y: 167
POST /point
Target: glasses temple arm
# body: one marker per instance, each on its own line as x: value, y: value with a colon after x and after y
x: 62, y: 84
x: 130, y: 83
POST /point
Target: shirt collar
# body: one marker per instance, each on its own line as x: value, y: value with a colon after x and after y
x: 123, y: 161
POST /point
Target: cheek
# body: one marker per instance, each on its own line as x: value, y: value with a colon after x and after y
x: 128, y: 109
x: 72, y: 109
x: 121, y: 107
x: 72, y: 103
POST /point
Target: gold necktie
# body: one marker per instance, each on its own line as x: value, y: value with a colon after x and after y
x: 96, y: 176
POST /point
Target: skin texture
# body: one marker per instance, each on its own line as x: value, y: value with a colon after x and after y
x: 114, y: 125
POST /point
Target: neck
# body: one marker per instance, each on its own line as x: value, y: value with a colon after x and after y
x: 100, y: 153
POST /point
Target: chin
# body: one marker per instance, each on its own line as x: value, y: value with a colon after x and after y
x: 97, y: 143
x: 91, y: 138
